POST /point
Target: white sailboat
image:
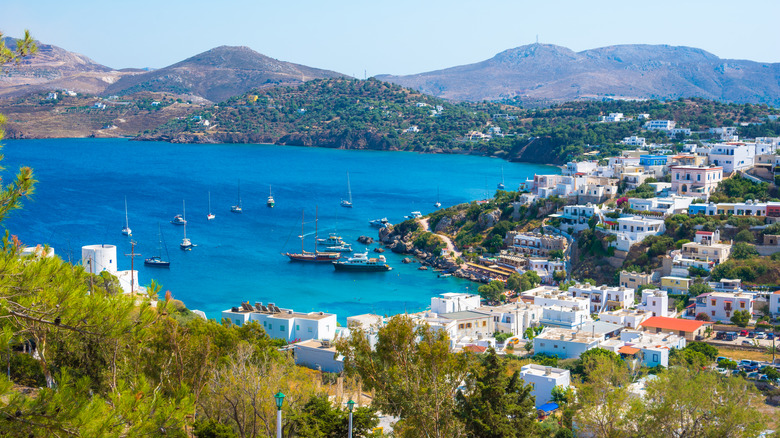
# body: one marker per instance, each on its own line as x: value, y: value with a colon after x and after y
x: 501, y: 185
x: 237, y: 208
x: 210, y: 215
x: 347, y: 202
x: 270, y: 202
x: 126, y: 230
x: 437, y: 204
x: 185, y: 244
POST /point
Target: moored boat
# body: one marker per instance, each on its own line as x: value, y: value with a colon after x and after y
x: 333, y: 239
x: 158, y: 261
x: 414, y: 215
x: 126, y: 230
x: 347, y: 202
x: 237, y: 208
x: 270, y: 202
x: 360, y: 262
x: 379, y: 223
x: 316, y: 256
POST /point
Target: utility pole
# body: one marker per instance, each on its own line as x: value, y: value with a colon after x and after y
x: 132, y: 266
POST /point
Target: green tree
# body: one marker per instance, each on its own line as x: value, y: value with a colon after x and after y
x: 697, y: 289
x: 412, y: 372
x: 513, y: 282
x: 707, y: 350
x: 742, y: 250
x: 604, y: 400
x: 686, y: 402
x: 492, y: 291
x: 495, y: 405
x: 745, y: 236
x: 741, y: 318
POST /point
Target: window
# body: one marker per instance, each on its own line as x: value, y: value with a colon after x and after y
x: 281, y: 328
x: 309, y: 330
x: 655, y: 357
x: 484, y: 323
x: 713, y: 313
x: 541, y: 344
x: 742, y: 305
x: 468, y: 325
x: 270, y: 326
x: 297, y: 327
x: 238, y: 322
x: 460, y: 326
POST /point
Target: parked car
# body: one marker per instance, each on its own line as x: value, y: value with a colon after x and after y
x: 730, y: 336
x: 720, y: 358
x: 770, y: 336
x: 753, y: 376
x: 744, y: 362
x: 760, y: 335
x: 751, y: 334
x: 720, y: 335
x: 746, y: 342
x: 743, y: 333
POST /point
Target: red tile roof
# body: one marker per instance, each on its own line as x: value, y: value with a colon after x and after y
x: 706, y: 233
x: 474, y: 349
x: 628, y: 350
x: 685, y: 325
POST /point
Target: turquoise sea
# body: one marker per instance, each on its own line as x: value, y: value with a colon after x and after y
x: 79, y: 200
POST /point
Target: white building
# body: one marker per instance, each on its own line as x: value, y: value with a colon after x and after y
x: 660, y: 125
x: 650, y: 349
x: 569, y: 344
x: 565, y: 317
x: 634, y: 141
x: 720, y: 306
x: 546, y: 296
x: 583, y: 167
x: 667, y: 206
x: 733, y: 156
x: 100, y: 258
x: 577, y: 216
x: 629, y: 318
x: 285, y: 323
x: 612, y: 117
x: 513, y: 318
x: 631, y: 230
x: 318, y: 355
x: 602, y: 298
x: 655, y: 302
x: 774, y: 303
x: 543, y: 379
x: 546, y: 269
x: 454, y: 302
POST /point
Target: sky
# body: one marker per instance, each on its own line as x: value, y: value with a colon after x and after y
x: 371, y: 37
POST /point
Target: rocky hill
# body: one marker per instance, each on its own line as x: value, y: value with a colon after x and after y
x: 218, y: 74
x: 543, y: 74
x: 54, y: 68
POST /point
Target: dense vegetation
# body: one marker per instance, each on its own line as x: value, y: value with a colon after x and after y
x: 370, y: 114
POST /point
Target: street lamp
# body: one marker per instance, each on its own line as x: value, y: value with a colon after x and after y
x: 279, y: 401
x: 350, y: 405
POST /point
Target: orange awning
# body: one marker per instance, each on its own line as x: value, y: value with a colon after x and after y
x: 628, y: 350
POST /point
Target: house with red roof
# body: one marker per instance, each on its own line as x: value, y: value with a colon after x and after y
x: 687, y: 328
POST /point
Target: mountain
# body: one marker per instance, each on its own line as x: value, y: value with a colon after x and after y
x: 54, y: 68
x: 220, y: 73
x: 545, y: 73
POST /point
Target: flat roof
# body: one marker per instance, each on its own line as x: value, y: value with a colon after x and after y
x: 314, y: 343
x: 464, y: 314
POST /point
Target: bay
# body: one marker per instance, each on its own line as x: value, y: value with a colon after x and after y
x: 82, y: 183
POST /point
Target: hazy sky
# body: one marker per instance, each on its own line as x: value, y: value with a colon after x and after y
x: 398, y: 37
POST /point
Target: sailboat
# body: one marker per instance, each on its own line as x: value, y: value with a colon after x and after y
x: 210, y: 215
x: 185, y: 244
x: 270, y: 203
x: 126, y: 230
x: 158, y: 261
x: 345, y: 202
x: 501, y: 185
x: 237, y: 208
x: 437, y: 204
x: 316, y: 256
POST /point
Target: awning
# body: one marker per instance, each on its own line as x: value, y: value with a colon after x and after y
x: 628, y: 350
x: 548, y: 407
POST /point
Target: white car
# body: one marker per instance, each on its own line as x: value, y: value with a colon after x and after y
x: 760, y: 335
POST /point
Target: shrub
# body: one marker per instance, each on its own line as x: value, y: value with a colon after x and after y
x: 745, y: 236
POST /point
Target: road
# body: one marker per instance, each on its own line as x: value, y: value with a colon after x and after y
x: 447, y: 241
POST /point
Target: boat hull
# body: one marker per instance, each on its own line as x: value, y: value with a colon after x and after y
x: 313, y: 258
x: 346, y: 267
x: 157, y: 262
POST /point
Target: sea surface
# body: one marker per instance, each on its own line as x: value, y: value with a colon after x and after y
x: 82, y: 185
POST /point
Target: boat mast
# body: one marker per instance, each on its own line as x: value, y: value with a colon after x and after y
x: 302, y: 219
x: 127, y: 223
x: 184, y: 216
x: 349, y: 190
x: 316, y: 223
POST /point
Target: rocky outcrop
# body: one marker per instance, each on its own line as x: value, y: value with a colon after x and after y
x: 489, y: 218
x: 379, y: 250
x: 365, y: 240
x: 443, y: 224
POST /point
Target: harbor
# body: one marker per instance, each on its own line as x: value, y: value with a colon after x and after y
x: 238, y: 256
